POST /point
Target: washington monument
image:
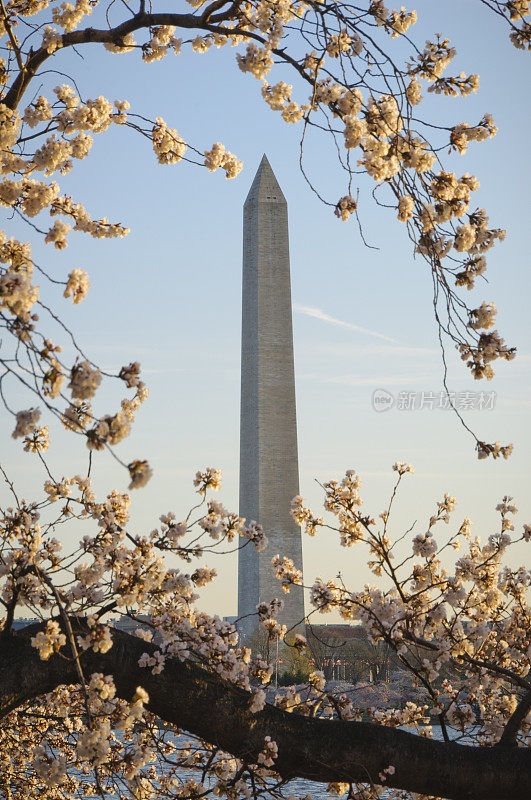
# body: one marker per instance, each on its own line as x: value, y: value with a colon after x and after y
x: 269, y: 470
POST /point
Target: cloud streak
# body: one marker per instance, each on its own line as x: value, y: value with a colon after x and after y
x: 375, y: 381
x: 318, y: 313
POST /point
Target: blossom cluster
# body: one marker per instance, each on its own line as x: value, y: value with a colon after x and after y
x: 473, y: 617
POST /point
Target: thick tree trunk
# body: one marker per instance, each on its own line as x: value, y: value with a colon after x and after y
x: 319, y: 750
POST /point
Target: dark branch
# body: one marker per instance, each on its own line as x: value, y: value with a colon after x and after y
x: 480, y: 663
x: 315, y: 749
x: 508, y: 737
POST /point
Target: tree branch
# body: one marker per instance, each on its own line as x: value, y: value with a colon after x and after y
x: 12, y: 39
x: 475, y: 662
x: 508, y: 737
x: 316, y: 749
x: 116, y: 35
x: 111, y: 36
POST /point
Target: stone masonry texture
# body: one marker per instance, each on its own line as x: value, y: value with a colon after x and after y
x: 269, y: 472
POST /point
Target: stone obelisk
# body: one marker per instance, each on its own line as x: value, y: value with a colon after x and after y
x: 269, y: 470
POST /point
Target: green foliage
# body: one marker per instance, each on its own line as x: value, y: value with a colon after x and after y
x: 292, y: 678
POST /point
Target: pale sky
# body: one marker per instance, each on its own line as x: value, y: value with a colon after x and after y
x: 169, y: 295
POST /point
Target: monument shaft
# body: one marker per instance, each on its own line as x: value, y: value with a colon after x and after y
x: 269, y: 472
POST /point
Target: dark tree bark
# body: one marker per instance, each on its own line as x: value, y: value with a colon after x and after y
x: 197, y: 701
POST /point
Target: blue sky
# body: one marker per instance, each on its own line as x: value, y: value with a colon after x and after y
x: 169, y: 295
